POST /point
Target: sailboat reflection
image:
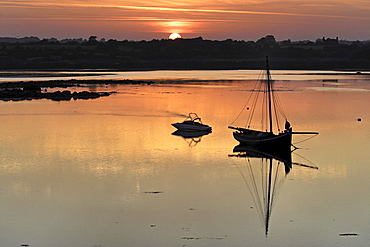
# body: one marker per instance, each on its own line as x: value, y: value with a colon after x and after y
x: 192, y: 138
x: 264, y: 174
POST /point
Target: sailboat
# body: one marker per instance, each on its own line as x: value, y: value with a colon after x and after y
x: 272, y: 113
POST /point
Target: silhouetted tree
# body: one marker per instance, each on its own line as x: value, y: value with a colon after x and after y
x: 92, y: 39
x: 267, y: 40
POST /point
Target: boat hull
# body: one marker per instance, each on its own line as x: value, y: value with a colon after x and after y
x: 192, y: 127
x: 263, y: 140
x: 284, y: 156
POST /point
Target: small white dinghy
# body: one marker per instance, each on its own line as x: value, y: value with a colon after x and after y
x: 192, y: 123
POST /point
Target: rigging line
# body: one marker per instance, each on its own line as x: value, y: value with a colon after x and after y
x: 278, y: 101
x: 245, y: 105
x: 306, y: 139
x: 254, y: 183
x: 255, y: 94
x: 264, y: 106
x: 264, y: 184
x: 276, y: 113
x: 250, y: 191
x: 312, y: 164
x: 263, y: 110
x: 254, y: 104
x: 276, y: 185
x: 270, y: 105
x: 276, y: 193
x: 278, y: 109
x: 269, y: 87
x: 280, y: 106
x: 264, y: 118
x: 263, y: 187
x: 255, y: 195
x: 264, y: 181
x: 272, y: 190
x: 267, y: 102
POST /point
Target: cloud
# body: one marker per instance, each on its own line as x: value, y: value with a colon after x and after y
x: 53, y: 5
x: 220, y: 18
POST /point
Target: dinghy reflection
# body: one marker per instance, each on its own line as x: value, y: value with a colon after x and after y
x: 192, y: 138
x: 264, y: 174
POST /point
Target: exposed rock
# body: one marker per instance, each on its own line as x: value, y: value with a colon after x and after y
x: 17, y: 94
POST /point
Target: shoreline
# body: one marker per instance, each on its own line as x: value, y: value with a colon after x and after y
x: 38, y: 89
x: 68, y: 83
x: 32, y: 90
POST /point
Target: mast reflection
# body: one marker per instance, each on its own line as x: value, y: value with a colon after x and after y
x: 264, y: 173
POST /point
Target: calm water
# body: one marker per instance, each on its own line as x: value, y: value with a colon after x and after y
x: 109, y: 172
x: 19, y: 75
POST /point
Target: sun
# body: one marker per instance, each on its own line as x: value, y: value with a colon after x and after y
x: 174, y: 36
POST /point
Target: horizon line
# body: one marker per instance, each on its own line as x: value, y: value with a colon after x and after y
x: 60, y: 39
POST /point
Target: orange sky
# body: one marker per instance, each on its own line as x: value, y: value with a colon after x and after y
x: 216, y: 19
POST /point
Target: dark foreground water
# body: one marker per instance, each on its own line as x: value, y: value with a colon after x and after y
x: 109, y: 172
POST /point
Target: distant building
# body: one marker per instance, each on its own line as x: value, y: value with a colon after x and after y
x: 329, y: 41
x: 79, y: 40
x: 285, y: 42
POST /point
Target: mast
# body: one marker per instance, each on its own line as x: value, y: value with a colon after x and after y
x: 269, y: 92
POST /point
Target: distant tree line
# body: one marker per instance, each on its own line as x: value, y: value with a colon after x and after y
x: 196, y: 53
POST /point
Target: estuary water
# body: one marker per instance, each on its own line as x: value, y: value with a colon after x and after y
x: 110, y: 172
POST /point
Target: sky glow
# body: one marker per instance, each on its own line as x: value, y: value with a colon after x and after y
x: 223, y: 19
